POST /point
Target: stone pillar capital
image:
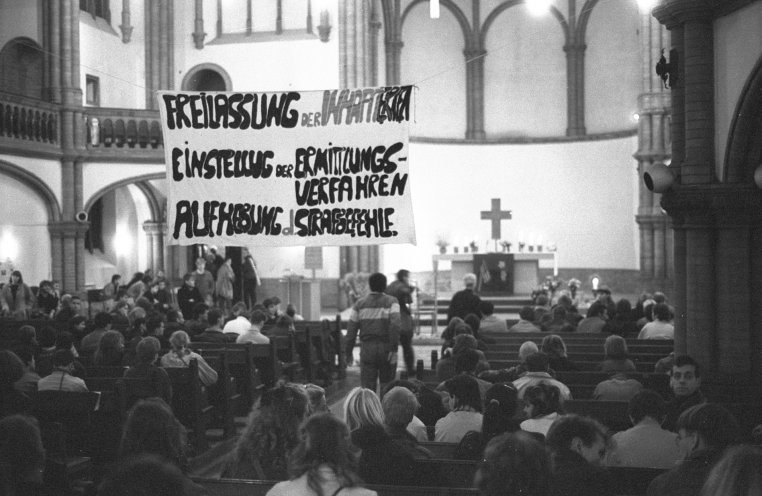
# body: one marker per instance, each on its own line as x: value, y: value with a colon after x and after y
x: 68, y: 228
x: 153, y: 227
x: 673, y: 13
x: 575, y: 47
x: 474, y: 53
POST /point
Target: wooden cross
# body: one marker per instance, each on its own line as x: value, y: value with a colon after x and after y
x: 496, y: 215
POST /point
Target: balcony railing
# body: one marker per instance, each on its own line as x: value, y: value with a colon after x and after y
x: 116, y: 128
x: 28, y: 120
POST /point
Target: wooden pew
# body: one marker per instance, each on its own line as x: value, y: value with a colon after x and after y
x: 190, y: 403
x: 584, y: 366
x: 96, y: 371
x: 445, y: 451
x: 223, y: 395
x: 241, y: 487
x: 630, y: 481
x: 62, y: 468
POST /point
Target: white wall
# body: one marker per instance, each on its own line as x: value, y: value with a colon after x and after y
x: 259, y: 66
x: 612, y: 67
x: 24, y: 235
x: 119, y: 66
x: 19, y: 18
x: 96, y: 176
x: 49, y: 171
x: 525, y: 76
x: 576, y: 195
x: 432, y: 59
x: 737, y: 48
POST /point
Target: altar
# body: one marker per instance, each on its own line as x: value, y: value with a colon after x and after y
x: 525, y: 270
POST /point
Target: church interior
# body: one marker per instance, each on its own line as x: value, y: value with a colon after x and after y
x: 605, y: 150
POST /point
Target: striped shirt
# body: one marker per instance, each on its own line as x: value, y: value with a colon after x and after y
x: 377, y: 316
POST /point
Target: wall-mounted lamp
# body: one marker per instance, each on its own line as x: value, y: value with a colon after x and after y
x: 667, y: 71
x: 659, y: 178
x: 324, y: 28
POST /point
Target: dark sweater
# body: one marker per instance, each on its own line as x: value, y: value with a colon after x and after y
x: 382, y: 460
x: 687, y: 478
x: 678, y: 405
x: 574, y: 476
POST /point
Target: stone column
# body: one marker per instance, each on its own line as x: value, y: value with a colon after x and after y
x: 155, y: 236
x: 575, y: 88
x: 475, y: 92
x: 653, y: 110
x: 159, y: 59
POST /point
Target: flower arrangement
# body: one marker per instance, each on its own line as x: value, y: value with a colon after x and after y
x: 473, y: 247
x: 506, y: 246
x: 574, y: 285
x: 442, y: 243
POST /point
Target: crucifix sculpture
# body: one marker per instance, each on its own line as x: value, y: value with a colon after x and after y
x: 496, y: 216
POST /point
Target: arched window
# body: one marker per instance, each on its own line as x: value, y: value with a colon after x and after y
x: 207, y: 77
x: 21, y: 66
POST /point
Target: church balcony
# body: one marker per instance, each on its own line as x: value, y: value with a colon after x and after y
x: 28, y: 125
x: 118, y: 134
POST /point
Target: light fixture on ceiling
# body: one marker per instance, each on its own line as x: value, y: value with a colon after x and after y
x: 434, y: 9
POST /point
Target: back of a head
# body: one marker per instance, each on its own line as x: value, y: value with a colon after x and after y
x: 660, y: 297
x: 147, y: 349
x: 567, y: 427
x: 151, y: 428
x: 500, y: 404
x: 362, y: 408
x: 257, y: 317
x: 284, y: 322
x: 63, y: 358
x: 145, y: 475
x: 179, y: 339
x: 465, y: 390
x: 289, y: 402
x: 469, y: 280
x: 21, y: 445
x: 466, y: 361
x: 615, y: 347
x: 646, y: 403
x: 661, y: 312
x: 463, y: 342
x: 486, y: 308
x: 537, y: 362
x: 11, y: 368
x: 402, y: 274
x: 553, y: 345
x: 527, y: 348
x: 738, y: 473
x: 111, y: 340
x: 238, y: 308
x: 102, y: 319
x: 400, y: 405
x: 214, y: 316
x: 527, y: 313
x: 324, y: 440
x: 473, y: 322
x: 712, y: 422
x: 559, y: 312
x: 47, y: 336
x: 544, y: 398
x: 199, y: 309
x: 377, y: 282
x: 316, y: 395
x: 623, y: 309
x: 596, y: 309
x: 515, y: 464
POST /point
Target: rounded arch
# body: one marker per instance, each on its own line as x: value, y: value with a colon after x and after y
x: 38, y: 185
x: 744, y: 146
x: 153, y: 202
x: 191, y: 80
x: 512, y: 3
x: 21, y: 67
x: 465, y: 26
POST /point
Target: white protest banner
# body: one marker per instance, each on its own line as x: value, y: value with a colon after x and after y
x: 312, y: 168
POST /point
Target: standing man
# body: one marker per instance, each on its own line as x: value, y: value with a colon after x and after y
x: 465, y: 301
x: 377, y: 319
x: 250, y: 280
x: 204, y: 282
x: 402, y: 290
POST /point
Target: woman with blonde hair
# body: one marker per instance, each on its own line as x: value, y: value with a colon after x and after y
x: 738, y: 473
x: 324, y: 463
x: 382, y: 461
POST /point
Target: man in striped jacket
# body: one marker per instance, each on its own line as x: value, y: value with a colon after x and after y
x: 377, y: 319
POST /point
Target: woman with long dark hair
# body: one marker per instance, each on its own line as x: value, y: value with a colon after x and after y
x: 324, y: 463
x: 500, y: 404
x: 16, y: 298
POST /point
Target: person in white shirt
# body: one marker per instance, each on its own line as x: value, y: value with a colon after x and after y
x: 240, y: 324
x: 525, y: 323
x: 466, y: 410
x: 660, y: 328
x: 490, y: 322
x: 181, y: 356
x: 537, y: 371
x: 61, y: 378
x: 646, y: 444
x: 541, y: 404
x: 254, y: 333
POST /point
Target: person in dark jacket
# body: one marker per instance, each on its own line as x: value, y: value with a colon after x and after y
x: 704, y: 432
x: 500, y: 404
x: 188, y: 295
x: 399, y: 405
x: 685, y: 382
x: 147, y: 351
x: 578, y: 446
x: 213, y: 333
x: 22, y: 457
x: 465, y: 301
